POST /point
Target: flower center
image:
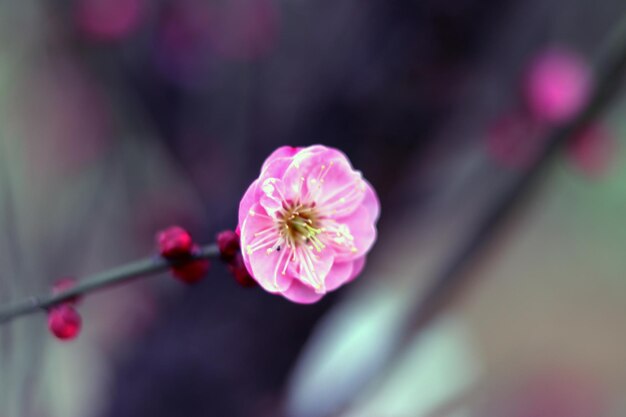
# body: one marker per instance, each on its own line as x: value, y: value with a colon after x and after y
x: 299, y: 224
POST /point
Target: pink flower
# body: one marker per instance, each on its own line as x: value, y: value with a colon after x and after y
x: 109, y: 19
x: 558, y: 86
x: 307, y: 222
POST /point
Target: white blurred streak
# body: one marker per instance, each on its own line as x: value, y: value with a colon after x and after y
x: 67, y: 367
x: 349, y: 347
x: 438, y: 366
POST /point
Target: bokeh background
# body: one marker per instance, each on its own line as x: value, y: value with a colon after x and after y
x: 121, y: 117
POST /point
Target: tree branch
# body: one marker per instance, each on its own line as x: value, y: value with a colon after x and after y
x: 119, y: 275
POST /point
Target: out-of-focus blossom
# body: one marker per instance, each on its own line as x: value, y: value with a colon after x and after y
x: 307, y: 222
x: 64, y: 120
x: 557, y: 86
x: 555, y: 393
x: 514, y: 141
x: 592, y: 150
x: 182, y: 50
x: 244, y: 29
x: 109, y: 19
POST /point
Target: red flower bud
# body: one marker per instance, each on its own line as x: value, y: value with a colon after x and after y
x: 593, y: 150
x: 64, y: 322
x: 228, y: 243
x: 239, y: 271
x: 174, y: 242
x: 192, y: 271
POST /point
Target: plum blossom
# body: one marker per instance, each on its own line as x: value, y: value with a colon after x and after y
x: 558, y: 85
x: 307, y: 222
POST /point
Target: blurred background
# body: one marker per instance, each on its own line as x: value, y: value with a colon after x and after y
x: 121, y: 117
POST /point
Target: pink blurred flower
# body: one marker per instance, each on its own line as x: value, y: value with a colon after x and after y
x: 57, y: 143
x: 109, y: 19
x: 557, y: 393
x: 244, y: 29
x: 182, y: 50
x: 592, y: 150
x: 557, y: 86
x: 307, y: 222
x: 514, y: 141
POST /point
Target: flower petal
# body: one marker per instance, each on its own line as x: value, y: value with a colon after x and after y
x: 339, y: 274
x: 351, y: 236
x: 301, y: 293
x: 283, y: 152
x: 260, y: 240
x: 247, y: 201
x: 326, y: 178
x: 272, y: 195
x: 357, y: 268
x: 371, y: 202
x: 313, y: 266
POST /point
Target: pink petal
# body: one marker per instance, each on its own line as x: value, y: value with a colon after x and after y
x: 325, y: 176
x: 314, y: 266
x: 300, y: 293
x: 344, y: 272
x: 271, y: 195
x: 342, y: 191
x: 266, y: 268
x: 275, y: 168
x: 371, y: 202
x: 361, y: 229
x: 247, y: 201
x: 282, y: 152
x: 276, y: 164
x: 339, y: 274
x: 357, y: 267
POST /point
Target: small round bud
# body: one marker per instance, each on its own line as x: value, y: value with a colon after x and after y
x: 192, y: 271
x: 63, y: 284
x: 239, y: 271
x: 228, y: 243
x: 64, y: 322
x: 174, y: 242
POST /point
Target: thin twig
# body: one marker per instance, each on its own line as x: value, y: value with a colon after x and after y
x: 121, y: 274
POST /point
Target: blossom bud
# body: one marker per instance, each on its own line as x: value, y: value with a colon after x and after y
x: 228, y: 244
x: 64, y: 322
x: 239, y: 271
x: 174, y: 242
x: 191, y: 271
